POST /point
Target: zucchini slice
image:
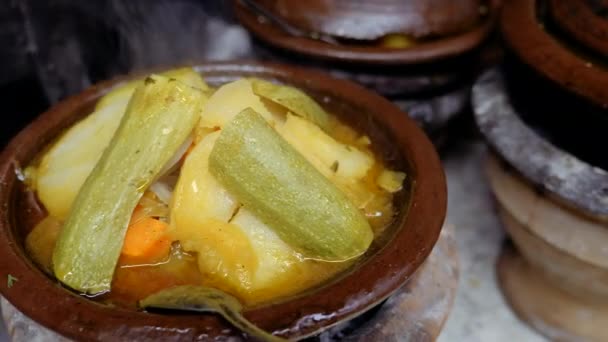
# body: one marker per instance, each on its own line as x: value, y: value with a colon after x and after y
x: 294, y: 100
x: 160, y: 116
x: 286, y: 192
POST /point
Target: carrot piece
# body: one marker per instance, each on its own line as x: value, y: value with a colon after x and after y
x: 147, y: 238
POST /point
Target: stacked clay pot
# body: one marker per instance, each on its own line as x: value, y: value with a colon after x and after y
x: 423, y: 54
x: 544, y: 114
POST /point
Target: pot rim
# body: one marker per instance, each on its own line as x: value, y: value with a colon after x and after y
x: 526, y: 37
x: 443, y: 48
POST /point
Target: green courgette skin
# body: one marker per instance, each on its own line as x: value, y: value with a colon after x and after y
x: 294, y: 100
x: 160, y: 116
x: 286, y: 192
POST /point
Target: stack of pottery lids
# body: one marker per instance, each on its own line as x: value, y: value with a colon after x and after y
x: 544, y: 115
x: 422, y: 54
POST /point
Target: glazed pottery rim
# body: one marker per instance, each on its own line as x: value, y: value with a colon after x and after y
x: 494, y: 114
x: 524, y: 36
x: 578, y: 19
x: 41, y: 299
x: 442, y: 48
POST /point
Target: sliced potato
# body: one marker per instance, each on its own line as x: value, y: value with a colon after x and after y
x: 324, y: 152
x: 67, y: 164
x: 200, y: 211
x: 40, y: 242
x: 65, y: 167
x: 267, y: 267
x: 198, y: 196
x: 391, y: 181
x: 275, y: 257
x: 225, y: 255
x: 231, y: 99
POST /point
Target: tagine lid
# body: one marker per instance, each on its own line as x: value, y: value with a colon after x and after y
x: 528, y: 33
x: 582, y: 20
x: 426, y: 49
x: 369, y: 20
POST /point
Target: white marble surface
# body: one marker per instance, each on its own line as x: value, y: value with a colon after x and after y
x: 480, y: 312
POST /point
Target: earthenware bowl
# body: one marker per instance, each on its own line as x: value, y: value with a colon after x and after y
x: 427, y: 51
x: 531, y: 37
x: 553, y: 205
x: 578, y: 19
x: 365, y: 20
x: 547, y: 52
x: 389, y: 263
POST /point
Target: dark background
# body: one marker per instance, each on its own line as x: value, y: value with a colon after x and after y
x: 52, y: 49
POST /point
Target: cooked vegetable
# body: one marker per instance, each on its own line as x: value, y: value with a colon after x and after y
x: 147, y: 239
x: 324, y: 152
x: 251, y: 189
x: 397, y: 41
x: 391, y: 181
x: 346, y: 166
x: 68, y: 163
x: 41, y: 241
x: 200, y: 211
x: 149, y: 206
x: 232, y: 98
x: 123, y: 92
x: 66, y: 166
x: 198, y: 196
x: 294, y: 100
x: 286, y: 192
x: 205, y: 299
x: 235, y: 251
x: 161, y: 115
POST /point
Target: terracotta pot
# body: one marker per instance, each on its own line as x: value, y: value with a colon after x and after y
x: 390, y: 262
x: 577, y: 18
x: 550, y: 55
x: 371, y: 20
x: 437, y: 49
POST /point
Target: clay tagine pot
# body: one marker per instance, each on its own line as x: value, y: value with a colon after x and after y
x: 389, y: 264
x: 568, y: 75
x: 443, y: 28
x: 582, y: 22
x: 427, y: 73
x: 529, y: 32
x: 359, y: 20
x: 554, y: 207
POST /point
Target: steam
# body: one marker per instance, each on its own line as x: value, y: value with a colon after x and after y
x: 164, y: 33
x: 75, y: 43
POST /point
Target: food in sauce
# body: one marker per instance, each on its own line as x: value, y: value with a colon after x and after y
x: 251, y: 188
